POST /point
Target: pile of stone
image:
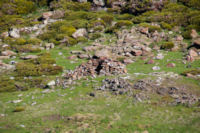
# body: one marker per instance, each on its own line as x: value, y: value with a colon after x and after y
x: 132, y: 43
x: 99, y: 66
x: 117, y: 86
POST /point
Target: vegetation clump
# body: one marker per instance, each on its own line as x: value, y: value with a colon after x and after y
x: 167, y: 45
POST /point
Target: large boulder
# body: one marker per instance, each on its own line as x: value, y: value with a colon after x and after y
x: 57, y: 14
x: 8, y: 53
x: 103, y: 53
x: 47, y: 15
x: 15, y: 33
x: 99, y: 2
x: 80, y: 33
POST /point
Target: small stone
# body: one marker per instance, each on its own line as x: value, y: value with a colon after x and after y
x: 160, y: 56
x: 171, y: 65
x: 155, y: 68
x: 151, y: 61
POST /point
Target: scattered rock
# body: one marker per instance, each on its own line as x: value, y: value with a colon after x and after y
x: 49, y: 46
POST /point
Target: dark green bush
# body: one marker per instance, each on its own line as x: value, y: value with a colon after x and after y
x: 95, y: 23
x: 68, y: 30
x: 122, y: 23
x: 28, y: 48
x: 76, y: 6
x: 7, y: 85
x: 167, y: 45
x: 71, y: 41
x: 124, y: 17
x: 82, y: 39
x: 107, y: 19
x: 166, y: 26
x: 186, y: 34
x: 94, y: 36
x: 19, y: 109
x: 34, y: 41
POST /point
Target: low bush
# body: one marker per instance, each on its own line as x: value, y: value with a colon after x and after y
x: 107, y: 19
x: 167, y: 45
x: 122, y: 23
x: 28, y: 48
x: 94, y: 36
x: 7, y: 85
x: 166, y: 26
x: 124, y: 17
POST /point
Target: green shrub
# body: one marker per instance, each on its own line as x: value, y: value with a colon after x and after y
x: 167, y: 45
x: 76, y: 6
x: 20, y: 41
x: 19, y: 109
x: 27, y: 48
x: 95, y: 23
x: 124, y: 17
x: 71, y: 41
x: 166, y: 26
x: 7, y: 85
x: 44, y: 58
x: 79, y: 23
x: 107, y: 19
x: 18, y: 7
x: 82, y: 39
x: 98, y: 29
x: 68, y: 30
x: 27, y: 69
x: 47, y: 36
x: 94, y: 36
x: 30, y: 69
x: 186, y: 34
x: 34, y: 41
x: 122, y: 23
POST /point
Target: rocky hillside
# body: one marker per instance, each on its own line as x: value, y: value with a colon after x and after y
x: 99, y: 66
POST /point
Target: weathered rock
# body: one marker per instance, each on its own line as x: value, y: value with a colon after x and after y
x: 83, y: 56
x: 194, y: 34
x: 190, y: 58
x: 29, y: 57
x: 4, y: 57
x: 4, y: 34
x: 136, y: 52
x: 76, y: 52
x: 197, y: 41
x: 49, y: 46
x: 15, y: 33
x: 72, y: 57
x: 103, y: 53
x: 80, y: 33
x: 144, y: 30
x: 171, y: 65
x: 160, y: 56
x: 156, y: 68
x: 47, y: 15
x: 57, y: 14
x: 127, y: 61
x: 99, y: 2
x: 151, y: 61
x: 6, y: 67
x: 179, y: 38
x: 193, y: 53
x: 8, y: 53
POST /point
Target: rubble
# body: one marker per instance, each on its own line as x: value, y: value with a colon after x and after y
x: 100, y: 66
